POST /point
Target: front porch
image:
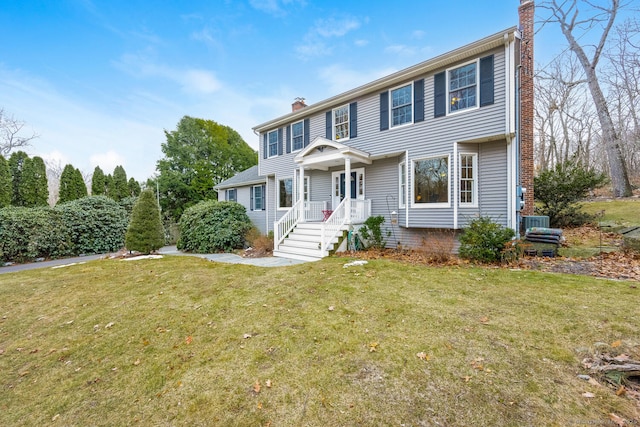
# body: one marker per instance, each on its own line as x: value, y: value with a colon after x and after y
x: 311, y: 230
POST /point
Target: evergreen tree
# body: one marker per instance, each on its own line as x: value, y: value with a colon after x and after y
x: 72, y: 185
x: 16, y: 165
x: 134, y: 187
x: 41, y: 184
x: 108, y: 185
x: 145, y: 233
x: 5, y: 183
x: 98, y: 183
x: 120, y: 187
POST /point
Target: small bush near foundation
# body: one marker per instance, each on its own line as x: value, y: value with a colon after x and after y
x: 373, y: 234
x: 438, y: 245
x: 212, y: 226
x: 484, y: 240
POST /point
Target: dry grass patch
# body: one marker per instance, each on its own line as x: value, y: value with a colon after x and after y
x: 183, y: 341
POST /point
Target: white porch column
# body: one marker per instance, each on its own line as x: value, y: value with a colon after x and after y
x: 347, y: 189
x: 301, y: 192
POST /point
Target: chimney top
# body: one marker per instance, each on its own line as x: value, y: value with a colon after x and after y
x: 298, y: 104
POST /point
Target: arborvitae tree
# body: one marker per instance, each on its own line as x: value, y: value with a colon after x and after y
x: 121, y: 189
x: 72, y: 185
x: 145, y: 233
x: 40, y: 189
x: 98, y: 184
x: 108, y: 185
x: 16, y: 165
x: 134, y: 187
x: 5, y: 183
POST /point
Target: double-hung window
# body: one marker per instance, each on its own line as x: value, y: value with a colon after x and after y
x: 285, y: 193
x: 297, y: 137
x: 463, y: 87
x: 468, y: 167
x: 401, y: 105
x: 232, y: 195
x: 341, y: 123
x: 257, y: 198
x: 431, y: 181
x: 272, y: 139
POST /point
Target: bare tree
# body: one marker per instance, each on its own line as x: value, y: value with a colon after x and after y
x: 9, y: 134
x: 623, y: 78
x: 564, y: 116
x: 567, y: 16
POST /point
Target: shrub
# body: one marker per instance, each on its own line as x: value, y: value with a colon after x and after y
x: 484, y: 240
x: 94, y: 224
x: 212, y: 226
x: 128, y: 203
x: 372, y: 232
x: 261, y: 244
x: 30, y: 233
x: 145, y: 232
x: 438, y: 245
x: 560, y: 189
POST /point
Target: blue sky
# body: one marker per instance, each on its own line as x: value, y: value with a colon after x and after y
x: 100, y: 81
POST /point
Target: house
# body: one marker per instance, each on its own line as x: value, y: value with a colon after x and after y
x: 429, y: 148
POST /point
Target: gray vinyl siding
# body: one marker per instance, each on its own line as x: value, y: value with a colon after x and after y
x: 429, y: 138
x: 493, y: 181
x: 258, y: 218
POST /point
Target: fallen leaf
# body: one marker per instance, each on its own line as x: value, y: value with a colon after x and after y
x: 268, y: 383
x: 622, y: 390
x: 109, y: 325
x: 466, y: 378
x: 137, y: 362
x: 1, y: 351
x: 423, y: 356
x: 484, y: 319
x: 588, y: 395
x: 55, y: 417
x: 257, y: 386
x: 593, y: 382
x: 373, y: 347
x: 331, y: 308
x: 259, y: 405
x: 616, y: 419
x: 615, y: 344
x: 246, y: 336
x: 188, y: 340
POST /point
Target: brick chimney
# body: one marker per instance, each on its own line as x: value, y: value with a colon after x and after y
x: 526, y: 12
x: 298, y: 104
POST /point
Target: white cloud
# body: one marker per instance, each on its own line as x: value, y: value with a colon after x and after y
x: 107, y: 161
x: 314, y: 44
x: 274, y: 7
x: 361, y: 43
x: 340, y: 79
x: 400, y: 49
x: 418, y: 34
x: 195, y: 81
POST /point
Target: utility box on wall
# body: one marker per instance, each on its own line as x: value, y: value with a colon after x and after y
x: 535, y: 221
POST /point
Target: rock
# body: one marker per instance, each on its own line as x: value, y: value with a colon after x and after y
x: 584, y: 377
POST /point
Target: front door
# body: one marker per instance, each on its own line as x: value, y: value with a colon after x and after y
x: 355, y: 185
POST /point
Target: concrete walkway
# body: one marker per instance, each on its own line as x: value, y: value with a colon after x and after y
x: 167, y: 250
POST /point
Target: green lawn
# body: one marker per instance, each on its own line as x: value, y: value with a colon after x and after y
x: 615, y: 212
x: 183, y: 341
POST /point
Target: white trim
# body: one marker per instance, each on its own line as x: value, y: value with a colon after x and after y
x: 448, y: 83
x: 293, y: 149
x: 511, y: 184
x: 475, y: 170
x: 400, y: 182
x: 333, y: 122
x: 407, y: 192
x: 456, y: 194
x: 391, y: 125
x: 413, y: 174
x: 278, y: 179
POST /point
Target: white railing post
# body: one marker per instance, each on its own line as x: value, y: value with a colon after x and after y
x: 301, y: 194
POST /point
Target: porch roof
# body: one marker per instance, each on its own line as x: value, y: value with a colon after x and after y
x: 323, y: 153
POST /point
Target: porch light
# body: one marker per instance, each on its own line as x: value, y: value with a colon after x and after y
x: 394, y: 217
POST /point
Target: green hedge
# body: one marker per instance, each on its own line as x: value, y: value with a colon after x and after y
x: 212, y: 226
x: 89, y: 225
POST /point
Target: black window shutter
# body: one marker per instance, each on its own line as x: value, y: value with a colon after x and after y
x: 384, y: 111
x: 353, y: 120
x: 288, y: 139
x: 306, y: 132
x: 329, y: 125
x: 439, y: 95
x: 280, y: 141
x: 265, y: 146
x: 418, y: 101
x: 264, y: 205
x: 486, y: 80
